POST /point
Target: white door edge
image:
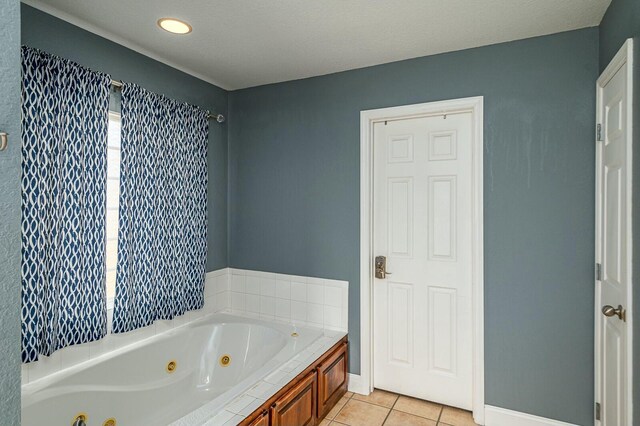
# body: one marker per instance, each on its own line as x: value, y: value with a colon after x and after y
x: 624, y: 57
x: 367, y: 119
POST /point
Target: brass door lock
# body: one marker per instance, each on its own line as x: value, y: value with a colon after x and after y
x: 381, y: 267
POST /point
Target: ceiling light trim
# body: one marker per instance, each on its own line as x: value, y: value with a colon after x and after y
x: 183, y: 24
x: 119, y: 40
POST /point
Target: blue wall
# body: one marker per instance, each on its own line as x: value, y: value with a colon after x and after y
x: 53, y: 35
x: 10, y: 213
x: 294, y: 198
x: 622, y: 21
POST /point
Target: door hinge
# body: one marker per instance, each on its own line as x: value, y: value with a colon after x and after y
x: 598, y: 132
x: 598, y: 411
x: 598, y: 272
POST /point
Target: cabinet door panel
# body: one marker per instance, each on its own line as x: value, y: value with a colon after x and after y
x: 298, y: 406
x: 332, y: 380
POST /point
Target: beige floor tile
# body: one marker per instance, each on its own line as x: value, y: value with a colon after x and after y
x: 418, y: 407
x: 324, y: 422
x: 398, y: 418
x: 358, y: 413
x: 336, y: 408
x: 348, y: 394
x: 456, y: 417
x: 378, y: 397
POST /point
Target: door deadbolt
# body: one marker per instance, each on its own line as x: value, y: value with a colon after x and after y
x: 381, y: 267
x: 610, y: 311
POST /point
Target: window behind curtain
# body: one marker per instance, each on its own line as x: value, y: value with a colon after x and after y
x: 113, y: 192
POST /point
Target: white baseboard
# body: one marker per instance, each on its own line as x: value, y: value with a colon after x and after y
x: 496, y: 416
x: 356, y: 385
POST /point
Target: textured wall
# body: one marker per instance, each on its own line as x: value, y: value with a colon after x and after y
x: 622, y: 21
x: 294, y: 198
x: 10, y: 213
x: 53, y: 35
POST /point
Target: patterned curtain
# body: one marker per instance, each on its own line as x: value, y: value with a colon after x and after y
x: 64, y: 150
x: 162, y: 237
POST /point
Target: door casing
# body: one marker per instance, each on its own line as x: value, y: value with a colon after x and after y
x: 474, y: 105
x: 623, y: 58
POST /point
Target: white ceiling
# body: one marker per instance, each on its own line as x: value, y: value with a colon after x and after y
x: 243, y: 43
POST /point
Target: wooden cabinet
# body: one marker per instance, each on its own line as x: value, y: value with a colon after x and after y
x: 305, y: 400
x: 332, y: 380
x: 297, y: 407
x: 261, y: 420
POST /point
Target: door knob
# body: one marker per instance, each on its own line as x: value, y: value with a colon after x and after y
x: 381, y: 267
x: 609, y: 311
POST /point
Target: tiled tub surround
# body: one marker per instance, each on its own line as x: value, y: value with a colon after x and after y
x: 289, y: 298
x: 133, y: 385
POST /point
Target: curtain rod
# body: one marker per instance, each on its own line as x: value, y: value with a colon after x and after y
x: 218, y: 117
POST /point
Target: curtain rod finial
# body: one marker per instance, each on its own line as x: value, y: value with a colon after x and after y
x: 219, y: 117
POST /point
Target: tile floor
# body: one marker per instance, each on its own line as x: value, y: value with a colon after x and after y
x: 386, y: 408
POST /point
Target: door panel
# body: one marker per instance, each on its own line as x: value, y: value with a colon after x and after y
x: 401, y: 213
x: 422, y: 224
x: 613, y: 249
x: 442, y: 218
x: 400, y: 317
x: 442, y: 316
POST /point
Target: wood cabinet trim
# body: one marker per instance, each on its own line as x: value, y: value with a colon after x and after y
x: 312, y: 368
x: 261, y: 420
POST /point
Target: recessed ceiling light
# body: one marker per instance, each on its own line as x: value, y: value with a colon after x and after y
x: 174, y: 26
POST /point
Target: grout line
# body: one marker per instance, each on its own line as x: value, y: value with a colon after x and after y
x: 379, y: 405
x: 395, y: 402
x: 388, y: 414
x: 345, y: 404
x: 391, y: 409
x: 418, y: 415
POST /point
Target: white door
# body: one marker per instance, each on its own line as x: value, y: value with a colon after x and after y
x: 613, y: 244
x: 422, y: 224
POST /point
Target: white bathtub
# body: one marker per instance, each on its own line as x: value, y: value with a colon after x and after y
x: 132, y: 384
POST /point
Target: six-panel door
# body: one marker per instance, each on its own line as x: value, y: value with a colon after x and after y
x: 613, y: 251
x: 423, y: 225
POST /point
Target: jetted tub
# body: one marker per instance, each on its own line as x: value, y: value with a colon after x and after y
x: 215, y: 359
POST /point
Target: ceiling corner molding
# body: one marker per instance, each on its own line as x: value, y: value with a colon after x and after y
x: 37, y: 4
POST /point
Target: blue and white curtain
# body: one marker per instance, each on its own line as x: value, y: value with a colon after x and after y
x: 64, y: 151
x: 162, y: 238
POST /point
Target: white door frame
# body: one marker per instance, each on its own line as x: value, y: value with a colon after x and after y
x: 624, y: 57
x: 364, y: 383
